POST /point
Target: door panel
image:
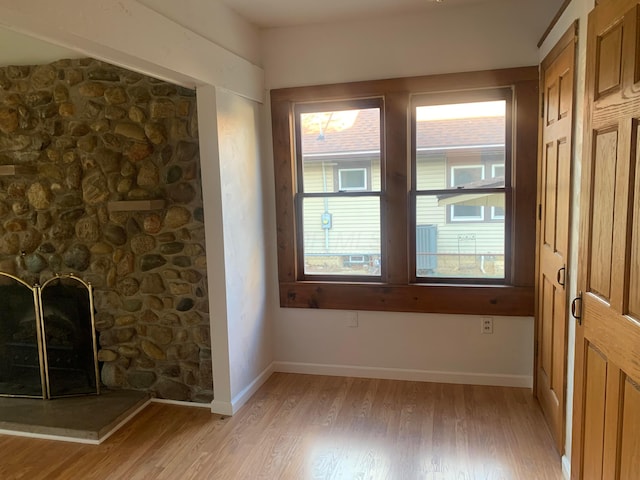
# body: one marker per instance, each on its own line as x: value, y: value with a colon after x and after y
x: 596, y: 383
x: 609, y: 59
x: 630, y: 440
x: 604, y: 184
x: 550, y: 180
x: 606, y: 435
x: 554, y: 193
x: 564, y: 186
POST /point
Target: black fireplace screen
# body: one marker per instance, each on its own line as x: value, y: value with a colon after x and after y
x: 47, y: 338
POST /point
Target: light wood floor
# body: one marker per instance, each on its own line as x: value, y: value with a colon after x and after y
x: 302, y: 427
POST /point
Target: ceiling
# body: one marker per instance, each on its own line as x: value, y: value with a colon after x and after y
x: 26, y: 50
x: 286, y: 13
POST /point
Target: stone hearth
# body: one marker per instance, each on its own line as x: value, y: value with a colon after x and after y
x: 89, y: 419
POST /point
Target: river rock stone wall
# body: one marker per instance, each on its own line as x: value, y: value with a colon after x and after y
x: 81, y: 134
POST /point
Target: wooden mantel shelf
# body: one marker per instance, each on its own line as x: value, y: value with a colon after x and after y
x: 135, y: 205
x: 8, y: 170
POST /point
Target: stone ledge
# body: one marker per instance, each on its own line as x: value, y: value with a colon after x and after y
x: 135, y: 205
x: 8, y: 170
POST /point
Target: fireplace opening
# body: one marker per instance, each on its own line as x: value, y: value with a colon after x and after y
x: 47, y: 338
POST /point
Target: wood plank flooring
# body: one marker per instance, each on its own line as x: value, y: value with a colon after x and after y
x: 300, y: 427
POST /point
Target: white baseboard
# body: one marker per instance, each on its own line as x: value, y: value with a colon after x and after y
x: 232, y: 407
x: 222, y: 408
x: 181, y: 403
x: 566, y: 467
x: 523, y: 381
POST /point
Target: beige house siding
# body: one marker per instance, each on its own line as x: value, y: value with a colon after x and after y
x: 489, y: 236
x: 355, y: 228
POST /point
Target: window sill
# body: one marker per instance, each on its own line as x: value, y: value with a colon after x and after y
x: 432, y: 298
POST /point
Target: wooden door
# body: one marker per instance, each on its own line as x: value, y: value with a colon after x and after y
x: 606, y: 435
x: 554, y: 197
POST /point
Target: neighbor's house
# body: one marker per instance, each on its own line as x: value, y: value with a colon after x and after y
x: 457, y: 234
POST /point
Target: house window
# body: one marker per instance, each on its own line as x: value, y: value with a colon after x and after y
x: 383, y: 203
x: 460, y: 177
x: 339, y: 172
x: 352, y: 179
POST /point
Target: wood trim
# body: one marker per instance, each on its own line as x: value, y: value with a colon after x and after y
x: 282, y: 127
x: 396, y: 293
x: 415, y: 85
x: 396, y: 199
x: 487, y: 300
x: 571, y: 35
x: 524, y: 164
x: 554, y: 21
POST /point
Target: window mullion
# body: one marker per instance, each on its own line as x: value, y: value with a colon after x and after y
x: 395, y: 210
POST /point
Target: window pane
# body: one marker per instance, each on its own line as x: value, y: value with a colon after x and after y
x: 463, y: 249
x: 352, y: 179
x: 340, y: 150
x: 341, y: 236
x: 457, y: 144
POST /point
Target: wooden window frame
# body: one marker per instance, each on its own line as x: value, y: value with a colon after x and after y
x: 396, y: 289
x: 300, y: 192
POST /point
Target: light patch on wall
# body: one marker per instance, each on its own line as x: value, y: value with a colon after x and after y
x: 23, y: 49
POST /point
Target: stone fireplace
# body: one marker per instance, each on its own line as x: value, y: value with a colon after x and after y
x: 100, y: 178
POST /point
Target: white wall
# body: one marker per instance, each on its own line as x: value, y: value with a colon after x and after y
x: 237, y: 255
x: 26, y: 50
x: 495, y: 34
x: 249, y: 327
x: 480, y: 36
x: 438, y: 348
x: 577, y: 10
x: 214, y: 21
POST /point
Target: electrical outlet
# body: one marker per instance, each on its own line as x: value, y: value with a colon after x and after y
x: 486, y: 325
x: 352, y: 319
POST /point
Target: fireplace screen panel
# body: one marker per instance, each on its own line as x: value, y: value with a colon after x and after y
x: 20, y: 372
x: 68, y: 337
x: 47, y: 338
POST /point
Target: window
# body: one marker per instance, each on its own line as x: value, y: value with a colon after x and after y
x: 352, y: 179
x: 339, y: 172
x: 462, y: 137
x: 374, y: 212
